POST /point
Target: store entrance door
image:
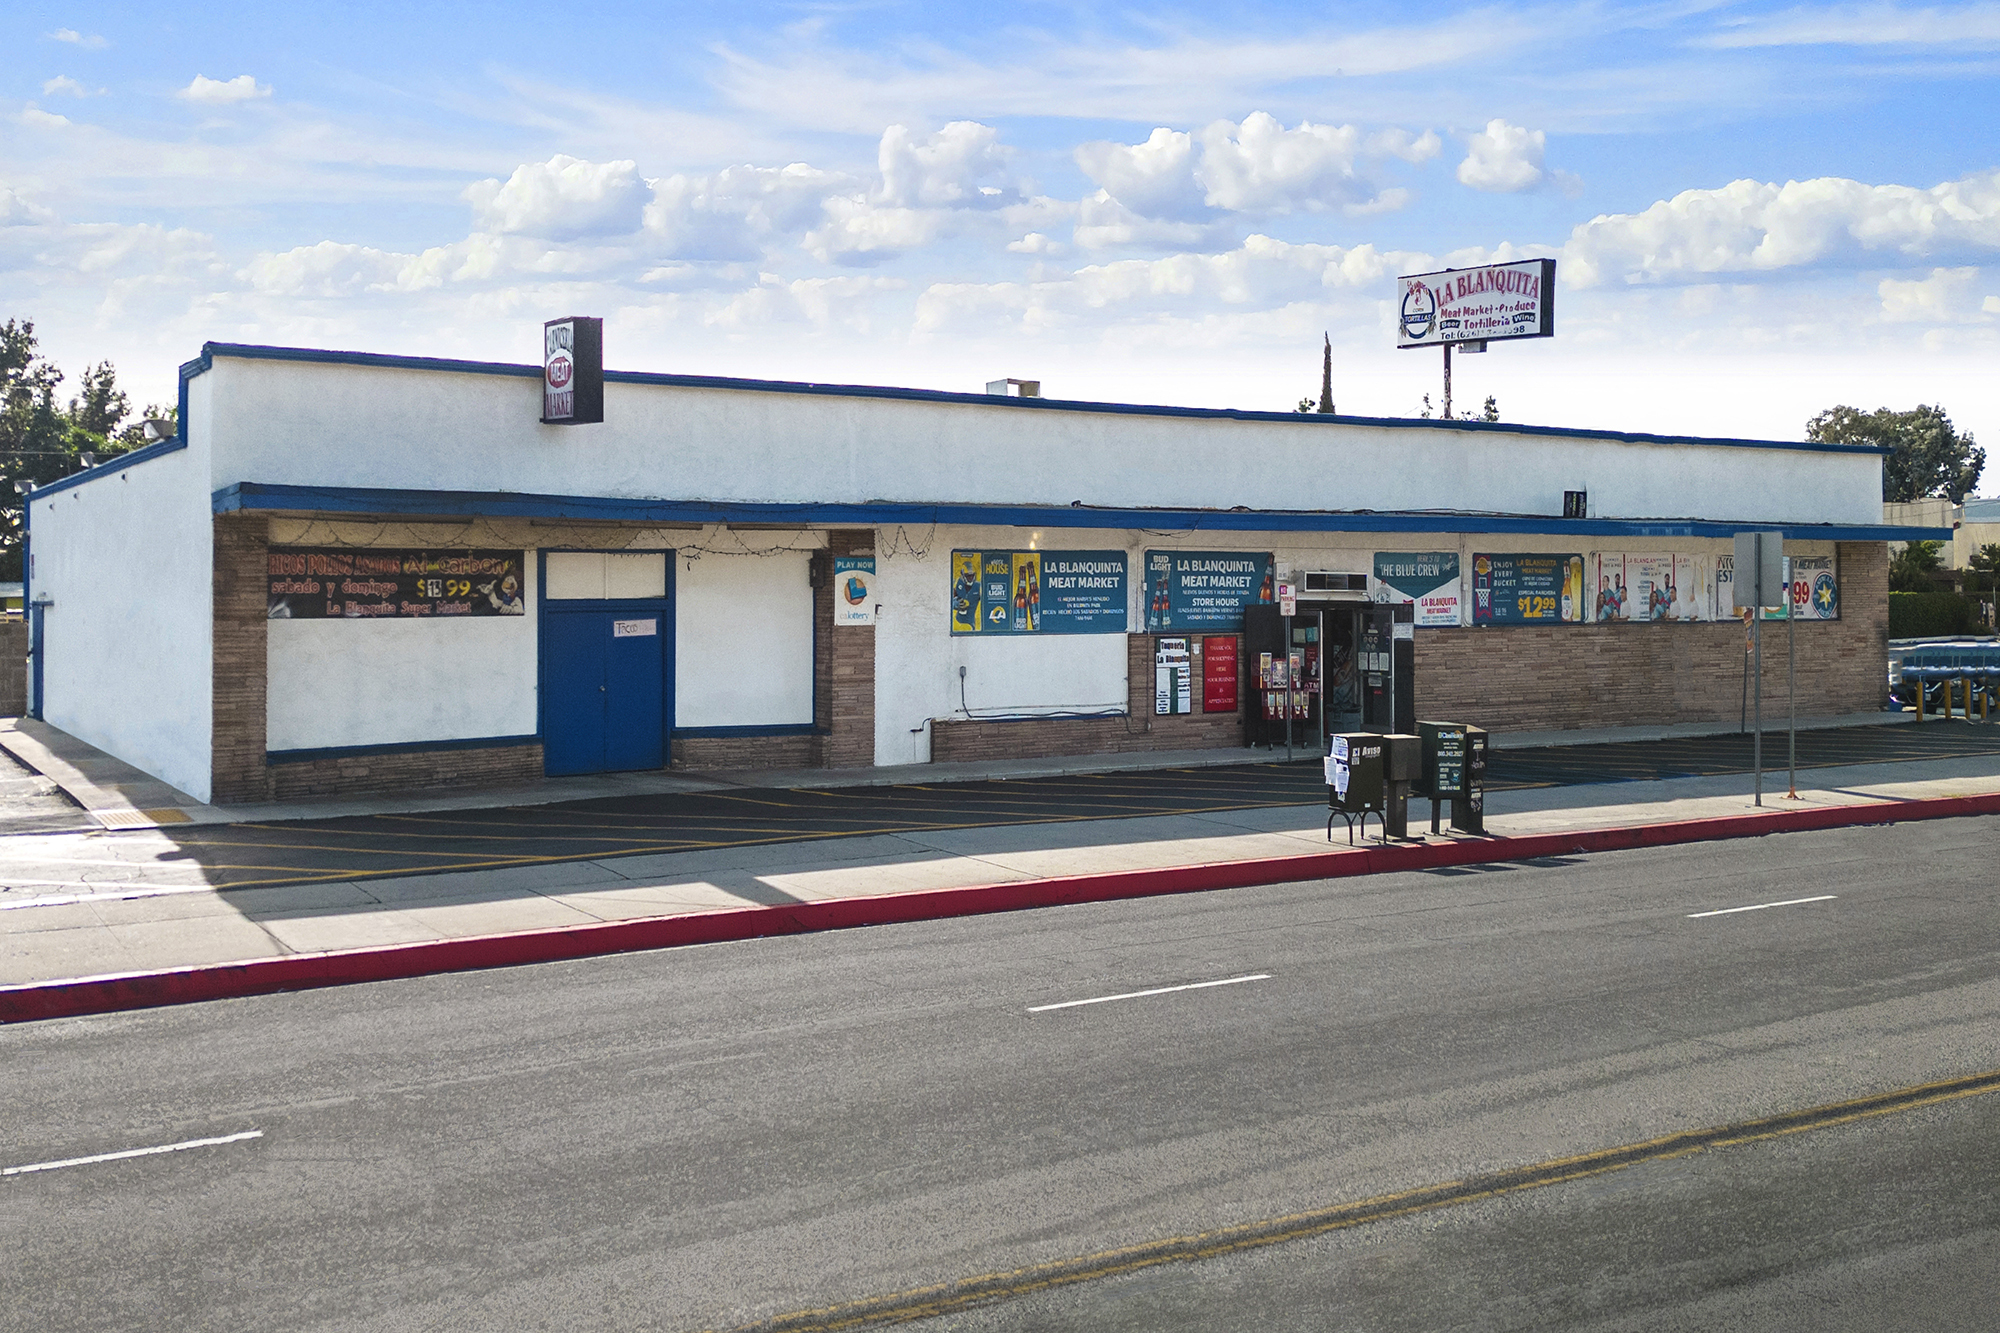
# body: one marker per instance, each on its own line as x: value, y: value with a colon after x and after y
x: 604, y: 690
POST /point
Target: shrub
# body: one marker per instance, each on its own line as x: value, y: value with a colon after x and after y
x: 1916, y: 615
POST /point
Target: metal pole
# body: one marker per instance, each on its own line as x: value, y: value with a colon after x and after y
x: 1288, y: 689
x: 1791, y: 688
x: 1757, y: 669
x: 1447, y: 381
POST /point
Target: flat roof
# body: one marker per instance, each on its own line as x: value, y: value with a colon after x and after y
x: 259, y: 352
x: 258, y: 497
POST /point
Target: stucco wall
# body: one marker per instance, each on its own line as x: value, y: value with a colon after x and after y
x: 340, y: 425
x: 743, y: 641
x: 381, y: 682
x: 127, y: 559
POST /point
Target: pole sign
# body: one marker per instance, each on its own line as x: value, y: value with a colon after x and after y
x: 1497, y: 303
x: 573, y: 371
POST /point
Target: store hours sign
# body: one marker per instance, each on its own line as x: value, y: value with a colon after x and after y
x: 310, y: 583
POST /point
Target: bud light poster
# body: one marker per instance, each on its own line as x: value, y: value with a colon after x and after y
x: 1206, y: 589
x: 1520, y: 589
x: 1038, y: 592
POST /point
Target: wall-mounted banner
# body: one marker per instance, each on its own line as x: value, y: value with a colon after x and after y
x: 1514, y: 589
x: 1427, y: 579
x: 1815, y: 588
x: 854, y: 590
x: 1038, y: 592
x: 1206, y: 589
x: 352, y: 584
x: 1640, y: 588
x: 1490, y: 304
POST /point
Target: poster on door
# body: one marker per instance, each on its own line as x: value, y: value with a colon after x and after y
x: 1038, y: 592
x: 1427, y: 580
x: 1641, y: 588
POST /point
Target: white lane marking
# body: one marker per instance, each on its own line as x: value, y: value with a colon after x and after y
x: 130, y: 1152
x: 1160, y: 990
x: 1789, y: 902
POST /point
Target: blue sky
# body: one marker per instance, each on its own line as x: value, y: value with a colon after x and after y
x: 1757, y: 210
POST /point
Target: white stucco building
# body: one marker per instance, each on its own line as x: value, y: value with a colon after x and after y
x: 354, y: 572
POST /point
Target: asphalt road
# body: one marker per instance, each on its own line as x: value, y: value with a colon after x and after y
x: 713, y: 1136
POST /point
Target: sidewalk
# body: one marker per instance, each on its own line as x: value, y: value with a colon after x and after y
x: 167, y: 918
x: 110, y: 793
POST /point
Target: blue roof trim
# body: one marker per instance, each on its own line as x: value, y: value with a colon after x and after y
x: 110, y: 466
x: 258, y: 496
x: 250, y: 351
x: 189, y: 369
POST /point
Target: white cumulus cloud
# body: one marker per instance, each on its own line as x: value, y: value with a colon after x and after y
x: 963, y: 165
x: 221, y: 92
x: 1755, y: 226
x: 1154, y: 179
x: 63, y: 83
x: 1947, y: 296
x: 1255, y: 166
x: 563, y: 198
x: 734, y: 213
x: 1503, y: 158
x: 90, y: 42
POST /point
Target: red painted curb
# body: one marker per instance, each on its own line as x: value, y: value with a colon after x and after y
x: 187, y: 985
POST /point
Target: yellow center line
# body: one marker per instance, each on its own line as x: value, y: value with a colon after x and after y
x: 941, y: 1298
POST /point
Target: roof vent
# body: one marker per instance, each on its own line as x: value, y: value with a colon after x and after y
x: 1014, y: 388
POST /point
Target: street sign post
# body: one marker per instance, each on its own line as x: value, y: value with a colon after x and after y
x: 1759, y: 570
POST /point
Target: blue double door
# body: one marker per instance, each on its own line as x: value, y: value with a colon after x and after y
x: 604, y: 688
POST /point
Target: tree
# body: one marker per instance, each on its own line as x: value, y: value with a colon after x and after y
x: 42, y: 441
x: 1491, y: 412
x: 1927, y: 455
x: 1983, y: 566
x: 1911, y: 568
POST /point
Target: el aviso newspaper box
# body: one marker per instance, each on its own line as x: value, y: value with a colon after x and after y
x: 1353, y: 779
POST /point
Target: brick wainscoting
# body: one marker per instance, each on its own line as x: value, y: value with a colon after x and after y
x: 237, y: 721
x: 1524, y: 678
x: 407, y: 770
x: 1038, y: 738
x: 699, y: 753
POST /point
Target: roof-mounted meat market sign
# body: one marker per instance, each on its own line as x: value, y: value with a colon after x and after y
x: 1477, y: 305
x: 573, y: 371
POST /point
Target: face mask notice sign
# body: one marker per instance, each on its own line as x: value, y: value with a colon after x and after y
x: 573, y: 371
